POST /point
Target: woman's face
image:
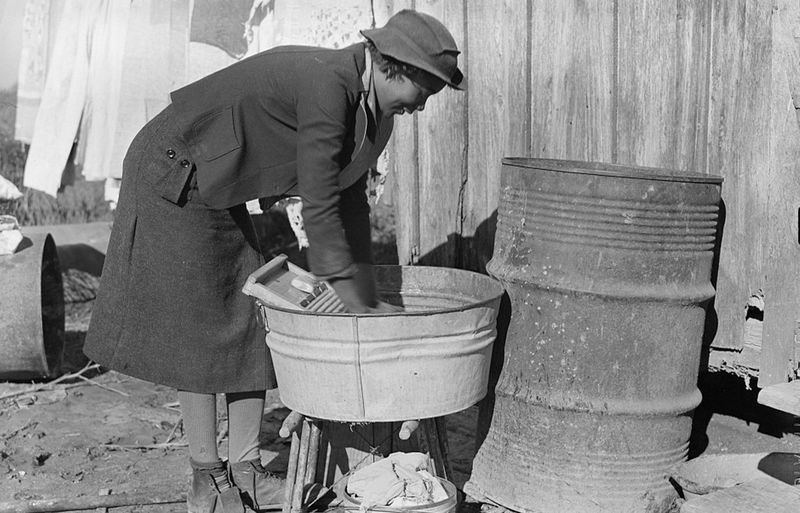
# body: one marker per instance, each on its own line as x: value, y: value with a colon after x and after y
x: 400, y: 95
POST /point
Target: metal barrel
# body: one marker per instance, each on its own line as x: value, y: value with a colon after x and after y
x: 31, y: 310
x: 430, y: 360
x: 608, y: 271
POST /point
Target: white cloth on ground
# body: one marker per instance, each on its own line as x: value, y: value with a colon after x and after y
x: 10, y: 234
x: 399, y: 480
x: 8, y: 191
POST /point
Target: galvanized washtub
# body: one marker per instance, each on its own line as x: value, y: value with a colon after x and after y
x: 31, y: 310
x: 608, y: 272
x: 430, y: 360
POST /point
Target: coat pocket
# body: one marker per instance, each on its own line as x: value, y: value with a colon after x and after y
x: 215, y: 134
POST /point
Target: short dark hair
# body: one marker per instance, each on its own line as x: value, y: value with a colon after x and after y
x: 392, y: 67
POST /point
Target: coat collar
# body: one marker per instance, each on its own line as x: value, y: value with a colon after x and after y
x: 371, y: 133
x: 366, y: 104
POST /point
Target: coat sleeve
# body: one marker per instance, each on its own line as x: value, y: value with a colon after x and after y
x: 354, y: 209
x: 325, y: 108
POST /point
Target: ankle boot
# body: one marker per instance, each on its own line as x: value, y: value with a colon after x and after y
x: 212, y: 491
x: 259, y: 487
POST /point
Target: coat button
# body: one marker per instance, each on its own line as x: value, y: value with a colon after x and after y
x: 171, y: 153
x: 185, y: 163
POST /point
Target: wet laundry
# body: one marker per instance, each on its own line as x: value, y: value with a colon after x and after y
x: 400, y: 480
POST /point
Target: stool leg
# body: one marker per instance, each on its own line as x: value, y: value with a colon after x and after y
x: 291, y: 473
x: 313, y: 452
x: 443, y: 448
x: 312, y: 491
x: 434, y: 436
x: 302, y: 462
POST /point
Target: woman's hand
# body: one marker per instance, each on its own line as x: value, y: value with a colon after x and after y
x: 383, y: 307
x: 357, y: 299
x: 356, y: 295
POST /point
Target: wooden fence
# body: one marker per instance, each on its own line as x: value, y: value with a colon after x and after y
x: 697, y: 85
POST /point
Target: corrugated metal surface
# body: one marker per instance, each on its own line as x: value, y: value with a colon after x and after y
x: 608, y: 272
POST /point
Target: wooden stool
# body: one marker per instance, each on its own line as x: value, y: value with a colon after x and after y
x: 301, y: 473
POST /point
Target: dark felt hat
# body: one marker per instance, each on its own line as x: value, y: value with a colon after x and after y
x: 422, y: 41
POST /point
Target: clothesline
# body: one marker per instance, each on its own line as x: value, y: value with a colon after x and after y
x: 93, y: 72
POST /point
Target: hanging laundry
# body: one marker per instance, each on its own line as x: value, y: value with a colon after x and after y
x: 216, y: 40
x: 39, y: 23
x: 59, y: 113
x: 262, y: 14
x: 111, y: 189
x: 75, y: 87
x: 109, y: 67
x: 101, y: 112
x: 221, y: 24
x: 148, y: 62
x: 320, y: 22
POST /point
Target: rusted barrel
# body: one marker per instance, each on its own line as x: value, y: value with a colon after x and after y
x: 608, y: 271
x: 31, y: 310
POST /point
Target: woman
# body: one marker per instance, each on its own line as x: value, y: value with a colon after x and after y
x: 291, y: 121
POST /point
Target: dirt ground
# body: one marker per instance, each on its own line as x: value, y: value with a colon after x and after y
x: 103, y: 432
x: 116, y: 434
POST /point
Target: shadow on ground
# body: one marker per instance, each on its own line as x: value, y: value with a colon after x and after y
x: 727, y: 396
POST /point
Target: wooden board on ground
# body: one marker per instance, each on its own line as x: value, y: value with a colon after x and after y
x: 783, y: 396
x: 762, y: 495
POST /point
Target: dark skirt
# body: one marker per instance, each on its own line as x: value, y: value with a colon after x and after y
x: 170, y: 309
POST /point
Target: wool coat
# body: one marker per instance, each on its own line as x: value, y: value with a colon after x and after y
x: 289, y: 121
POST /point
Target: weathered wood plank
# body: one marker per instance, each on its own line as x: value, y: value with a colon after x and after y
x: 404, y: 165
x: 738, y: 149
x: 693, y: 38
x: 762, y: 495
x: 790, y: 21
x: 662, y: 83
x: 499, y: 115
x: 441, y: 139
x: 646, y: 93
x: 782, y: 291
x: 680, y: 84
x: 782, y: 396
x: 572, y: 80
